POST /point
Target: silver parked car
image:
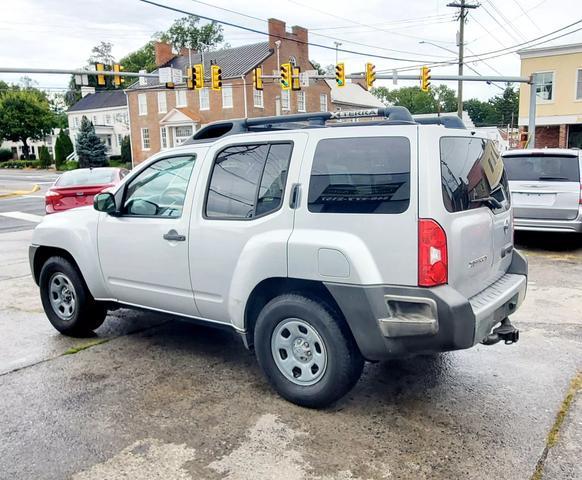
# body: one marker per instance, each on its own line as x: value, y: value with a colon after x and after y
x: 546, y: 189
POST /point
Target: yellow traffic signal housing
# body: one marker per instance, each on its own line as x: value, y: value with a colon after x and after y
x: 190, y: 78
x: 425, y: 79
x: 117, y: 80
x: 340, y: 75
x: 295, y: 82
x: 198, y: 76
x: 370, y: 75
x: 100, y: 78
x: 215, y: 77
x: 258, y: 78
x: 286, y: 76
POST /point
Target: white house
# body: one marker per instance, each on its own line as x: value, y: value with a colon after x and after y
x: 352, y: 96
x: 108, y: 112
x: 33, y: 145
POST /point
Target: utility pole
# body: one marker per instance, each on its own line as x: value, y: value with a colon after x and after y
x: 337, y: 45
x: 462, y: 18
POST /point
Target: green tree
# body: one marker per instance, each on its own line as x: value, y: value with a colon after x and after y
x: 90, y: 149
x: 126, y: 150
x: 506, y: 106
x: 63, y: 148
x: 142, y: 59
x: 25, y: 114
x: 101, y: 53
x: 438, y: 99
x: 44, y: 157
x: 185, y: 33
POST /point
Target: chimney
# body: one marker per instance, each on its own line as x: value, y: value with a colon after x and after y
x: 163, y: 53
x: 87, y: 91
x: 185, y: 51
x: 276, y: 31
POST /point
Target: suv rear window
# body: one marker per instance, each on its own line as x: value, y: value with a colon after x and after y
x: 550, y: 168
x: 471, y: 170
x: 360, y: 175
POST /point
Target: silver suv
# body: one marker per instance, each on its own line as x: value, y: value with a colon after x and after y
x: 322, y: 245
x: 546, y: 189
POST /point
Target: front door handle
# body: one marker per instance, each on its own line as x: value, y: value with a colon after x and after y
x: 174, y: 236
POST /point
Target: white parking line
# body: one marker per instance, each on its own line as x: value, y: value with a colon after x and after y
x: 29, y: 217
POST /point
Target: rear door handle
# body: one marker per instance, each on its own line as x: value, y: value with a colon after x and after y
x: 174, y: 236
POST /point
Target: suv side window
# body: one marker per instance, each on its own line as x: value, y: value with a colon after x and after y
x: 160, y: 189
x: 360, y: 175
x: 248, y: 181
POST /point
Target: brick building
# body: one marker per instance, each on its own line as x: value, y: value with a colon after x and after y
x: 161, y: 118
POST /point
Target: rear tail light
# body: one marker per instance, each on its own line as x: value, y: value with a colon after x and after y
x: 51, y: 198
x: 433, y: 266
x: 580, y: 201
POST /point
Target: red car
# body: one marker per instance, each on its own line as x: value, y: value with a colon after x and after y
x: 78, y: 187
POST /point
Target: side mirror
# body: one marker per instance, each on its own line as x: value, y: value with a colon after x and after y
x: 104, y: 202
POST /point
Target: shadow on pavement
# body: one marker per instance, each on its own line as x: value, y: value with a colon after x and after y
x: 554, y: 242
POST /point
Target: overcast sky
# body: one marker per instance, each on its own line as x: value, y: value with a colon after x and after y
x: 61, y: 33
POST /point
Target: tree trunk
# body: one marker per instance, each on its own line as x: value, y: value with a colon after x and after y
x: 25, y: 149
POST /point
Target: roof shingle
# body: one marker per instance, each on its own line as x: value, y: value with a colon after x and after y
x: 104, y: 99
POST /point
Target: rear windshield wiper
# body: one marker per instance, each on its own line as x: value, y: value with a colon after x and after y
x: 491, y: 202
x: 549, y: 177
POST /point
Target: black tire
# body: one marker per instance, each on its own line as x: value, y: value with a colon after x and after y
x: 84, y: 314
x: 344, y: 362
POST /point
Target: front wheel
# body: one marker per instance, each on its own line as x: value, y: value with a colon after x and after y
x: 306, y: 350
x: 66, y: 300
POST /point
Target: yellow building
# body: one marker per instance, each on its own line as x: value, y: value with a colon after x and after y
x: 558, y: 83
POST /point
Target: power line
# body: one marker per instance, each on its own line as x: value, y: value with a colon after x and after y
x: 254, y: 30
x: 505, y: 19
x: 495, y: 19
x: 527, y: 15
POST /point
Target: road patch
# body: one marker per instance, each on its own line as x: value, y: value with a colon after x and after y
x: 17, y: 193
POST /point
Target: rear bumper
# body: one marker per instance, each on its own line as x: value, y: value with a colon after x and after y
x: 390, y: 322
x: 546, y: 225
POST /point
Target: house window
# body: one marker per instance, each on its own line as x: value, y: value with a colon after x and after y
x: 182, y: 133
x: 323, y: 102
x: 119, y: 139
x: 301, y: 101
x: 162, y: 105
x: 227, y: 96
x: 286, y: 100
x: 76, y: 122
x: 544, y: 82
x: 142, y: 104
x: 164, y: 137
x: 107, y: 119
x: 204, y: 98
x: 181, y: 100
x: 579, y: 84
x: 258, y: 99
x: 94, y: 119
x: 145, y: 138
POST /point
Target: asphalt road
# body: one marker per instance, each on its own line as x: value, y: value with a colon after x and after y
x: 151, y: 397
x: 18, y: 213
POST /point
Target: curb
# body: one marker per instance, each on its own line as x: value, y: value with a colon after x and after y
x: 18, y: 193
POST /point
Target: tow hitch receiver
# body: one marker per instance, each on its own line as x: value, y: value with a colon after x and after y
x: 506, y: 332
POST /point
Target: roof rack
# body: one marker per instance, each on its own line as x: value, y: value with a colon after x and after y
x: 295, y: 121
x: 387, y: 116
x: 446, y: 121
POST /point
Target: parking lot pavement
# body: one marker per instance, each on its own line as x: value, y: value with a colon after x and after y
x: 166, y: 399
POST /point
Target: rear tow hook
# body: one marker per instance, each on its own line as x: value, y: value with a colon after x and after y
x: 506, y: 332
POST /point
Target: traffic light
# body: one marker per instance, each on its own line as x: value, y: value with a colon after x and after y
x: 190, y: 78
x: 117, y: 80
x: 215, y: 77
x: 258, y: 78
x: 425, y: 79
x: 100, y: 78
x: 370, y: 75
x: 199, y: 76
x: 295, y: 82
x: 340, y: 75
x: 286, y: 76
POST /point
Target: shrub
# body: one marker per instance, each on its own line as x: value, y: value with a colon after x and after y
x: 45, y: 158
x: 65, y: 167
x: 126, y: 150
x: 5, y: 154
x: 63, y: 148
x: 21, y: 164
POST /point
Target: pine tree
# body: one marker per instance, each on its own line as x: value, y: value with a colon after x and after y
x: 44, y: 157
x: 63, y: 148
x: 126, y: 150
x: 90, y: 149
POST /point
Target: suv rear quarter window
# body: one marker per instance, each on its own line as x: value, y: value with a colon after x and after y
x: 360, y: 175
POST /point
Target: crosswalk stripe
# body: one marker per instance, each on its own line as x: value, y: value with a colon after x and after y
x: 29, y: 217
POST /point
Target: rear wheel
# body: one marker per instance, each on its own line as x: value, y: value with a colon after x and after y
x: 306, y: 350
x: 66, y: 299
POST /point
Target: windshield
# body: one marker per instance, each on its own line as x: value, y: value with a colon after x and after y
x: 549, y: 168
x: 86, y: 176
